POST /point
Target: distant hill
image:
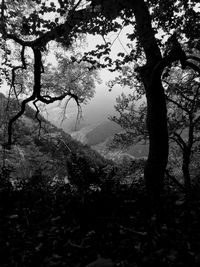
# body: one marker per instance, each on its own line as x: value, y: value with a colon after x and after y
x: 138, y: 151
x: 100, y: 135
x: 101, y: 132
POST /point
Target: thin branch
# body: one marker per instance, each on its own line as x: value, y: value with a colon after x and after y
x: 177, y: 104
x: 193, y: 58
x: 17, y: 116
x: 73, y: 20
x: 176, y: 141
x: 74, y: 8
x: 122, y: 45
x: 14, y: 69
x: 173, y: 178
x: 180, y: 139
x: 183, y: 95
x: 36, y: 115
x: 118, y: 34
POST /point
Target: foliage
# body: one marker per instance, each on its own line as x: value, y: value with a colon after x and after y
x: 183, y: 105
x: 153, y: 53
x: 70, y: 76
x: 182, y: 94
x: 56, y: 228
x: 183, y: 113
x: 132, y: 119
x: 23, y: 28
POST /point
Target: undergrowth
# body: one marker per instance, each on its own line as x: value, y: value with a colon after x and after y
x: 61, y: 226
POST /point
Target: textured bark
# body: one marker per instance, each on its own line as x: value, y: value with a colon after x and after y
x: 156, y: 105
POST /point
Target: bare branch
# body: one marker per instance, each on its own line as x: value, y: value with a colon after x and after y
x: 174, y: 139
x: 17, y: 116
x: 180, y: 139
x: 173, y: 178
x: 193, y: 58
x: 177, y: 104
x: 73, y: 20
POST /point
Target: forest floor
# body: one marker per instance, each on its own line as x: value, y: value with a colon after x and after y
x: 63, y: 228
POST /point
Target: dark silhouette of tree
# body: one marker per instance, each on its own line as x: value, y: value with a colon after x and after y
x: 183, y: 91
x: 23, y: 25
x: 158, y: 55
x: 147, y: 18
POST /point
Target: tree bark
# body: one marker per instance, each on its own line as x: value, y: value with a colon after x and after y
x: 185, y: 169
x: 158, y: 135
x: 156, y: 105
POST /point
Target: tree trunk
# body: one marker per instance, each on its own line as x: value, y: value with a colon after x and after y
x: 158, y: 135
x: 185, y: 169
x: 156, y: 104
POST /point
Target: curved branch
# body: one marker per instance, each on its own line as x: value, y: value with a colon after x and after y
x: 35, y: 93
x: 173, y: 139
x: 177, y: 104
x: 73, y: 20
x: 193, y: 58
x: 17, y: 116
x: 175, y: 54
x: 180, y: 139
x: 14, y: 69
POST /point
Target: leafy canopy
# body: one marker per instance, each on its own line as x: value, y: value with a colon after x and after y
x: 32, y: 24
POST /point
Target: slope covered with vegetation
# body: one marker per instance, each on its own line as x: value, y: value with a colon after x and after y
x: 45, y: 152
x: 45, y: 221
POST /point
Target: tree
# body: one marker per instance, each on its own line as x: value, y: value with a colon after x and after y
x: 26, y: 28
x: 132, y: 118
x: 72, y: 77
x: 147, y: 17
x: 183, y: 92
x: 158, y: 55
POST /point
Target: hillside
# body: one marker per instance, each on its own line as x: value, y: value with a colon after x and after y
x: 47, y: 152
x: 101, y: 132
x: 96, y: 133
x: 99, y: 136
